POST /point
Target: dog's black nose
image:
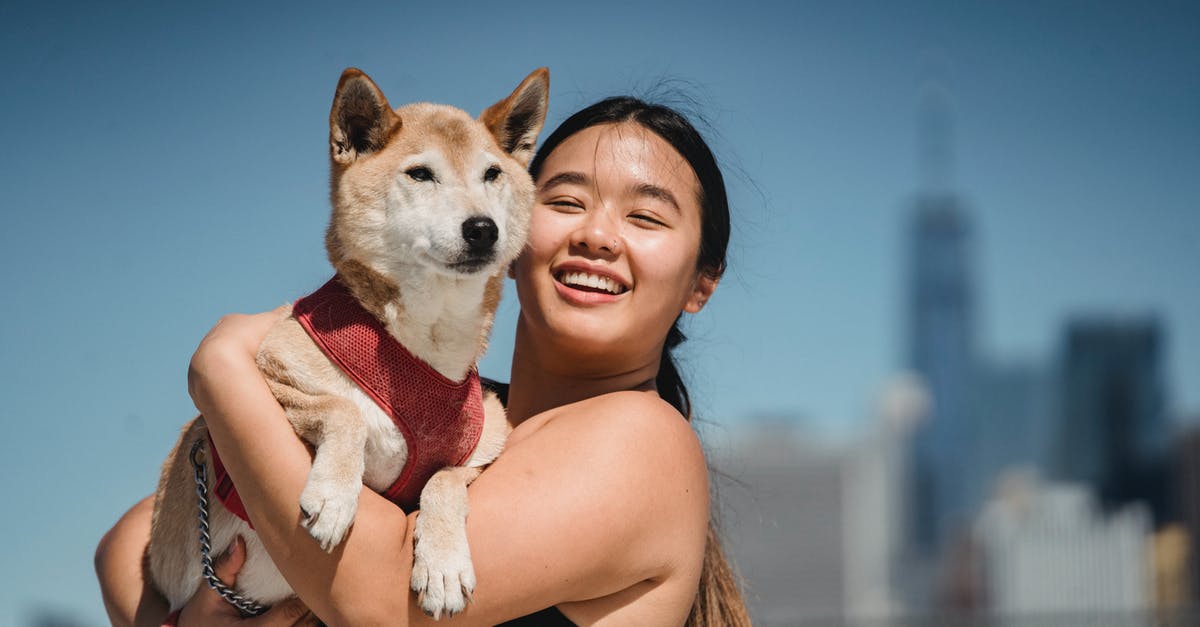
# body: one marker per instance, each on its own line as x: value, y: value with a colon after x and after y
x: 480, y: 233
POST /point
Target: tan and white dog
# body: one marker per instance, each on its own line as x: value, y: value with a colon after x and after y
x: 429, y: 208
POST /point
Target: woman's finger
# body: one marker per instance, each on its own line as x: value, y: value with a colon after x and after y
x: 290, y: 613
x: 245, y: 329
x: 229, y: 564
x: 208, y: 608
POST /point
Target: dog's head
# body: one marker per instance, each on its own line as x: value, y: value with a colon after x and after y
x: 428, y: 186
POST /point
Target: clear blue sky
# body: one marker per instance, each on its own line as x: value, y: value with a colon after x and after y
x: 165, y: 163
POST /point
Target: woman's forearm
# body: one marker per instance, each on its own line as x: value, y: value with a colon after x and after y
x: 128, y: 599
x: 365, y: 579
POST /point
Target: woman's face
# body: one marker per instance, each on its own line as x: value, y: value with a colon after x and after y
x: 613, y: 244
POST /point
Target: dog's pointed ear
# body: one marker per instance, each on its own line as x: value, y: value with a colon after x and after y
x: 516, y: 121
x: 361, y: 121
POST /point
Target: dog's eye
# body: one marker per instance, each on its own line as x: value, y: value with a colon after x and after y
x: 420, y: 173
x: 491, y: 174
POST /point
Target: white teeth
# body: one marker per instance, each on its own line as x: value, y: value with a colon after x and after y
x: 593, y: 281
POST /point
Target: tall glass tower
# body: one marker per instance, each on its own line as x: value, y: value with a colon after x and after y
x: 941, y: 330
x: 940, y: 333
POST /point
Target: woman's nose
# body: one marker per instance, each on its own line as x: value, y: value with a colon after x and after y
x: 598, y: 233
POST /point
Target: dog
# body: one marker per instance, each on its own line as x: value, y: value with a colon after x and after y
x: 430, y: 207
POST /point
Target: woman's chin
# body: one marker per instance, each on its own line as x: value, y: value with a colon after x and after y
x: 588, y: 338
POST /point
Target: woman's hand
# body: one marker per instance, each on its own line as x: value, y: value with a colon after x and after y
x: 206, y: 607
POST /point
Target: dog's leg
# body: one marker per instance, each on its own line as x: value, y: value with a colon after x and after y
x: 443, y: 576
x: 334, y: 426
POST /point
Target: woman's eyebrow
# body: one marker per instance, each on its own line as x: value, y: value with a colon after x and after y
x: 656, y: 192
x: 565, y: 178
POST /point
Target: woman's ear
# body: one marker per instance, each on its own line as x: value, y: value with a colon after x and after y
x: 702, y: 290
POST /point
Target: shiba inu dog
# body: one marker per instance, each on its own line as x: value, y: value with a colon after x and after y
x: 376, y: 370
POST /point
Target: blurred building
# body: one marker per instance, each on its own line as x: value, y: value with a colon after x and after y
x: 1187, y: 491
x: 1172, y: 562
x: 783, y: 522
x: 877, y: 573
x: 941, y: 349
x: 941, y: 328
x: 1010, y: 418
x: 1113, y: 431
x: 52, y: 617
x: 1049, y: 550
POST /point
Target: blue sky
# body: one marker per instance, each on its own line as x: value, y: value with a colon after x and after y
x: 166, y: 164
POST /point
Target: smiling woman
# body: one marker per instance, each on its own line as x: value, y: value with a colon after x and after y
x: 680, y: 144
x: 597, y: 511
x: 655, y: 161
x: 599, y: 227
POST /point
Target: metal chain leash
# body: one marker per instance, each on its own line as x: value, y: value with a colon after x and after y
x: 246, y: 606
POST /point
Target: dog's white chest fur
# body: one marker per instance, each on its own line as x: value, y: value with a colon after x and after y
x: 386, y: 451
x: 439, y: 320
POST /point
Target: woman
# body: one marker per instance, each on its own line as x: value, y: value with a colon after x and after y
x: 598, y: 508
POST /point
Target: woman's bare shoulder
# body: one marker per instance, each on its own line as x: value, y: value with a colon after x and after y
x: 631, y: 450
x: 637, y: 430
x: 599, y: 497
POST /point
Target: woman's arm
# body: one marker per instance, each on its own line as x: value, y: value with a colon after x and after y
x: 604, y: 496
x: 270, y: 465
x: 128, y: 598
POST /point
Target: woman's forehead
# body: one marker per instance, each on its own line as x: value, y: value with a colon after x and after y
x: 627, y: 152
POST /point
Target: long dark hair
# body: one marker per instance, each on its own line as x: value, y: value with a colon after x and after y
x: 719, y: 601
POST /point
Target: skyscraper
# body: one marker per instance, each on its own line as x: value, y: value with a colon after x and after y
x: 941, y: 329
x: 1113, y: 431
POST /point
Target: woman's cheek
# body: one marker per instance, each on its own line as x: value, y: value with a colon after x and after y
x: 662, y: 257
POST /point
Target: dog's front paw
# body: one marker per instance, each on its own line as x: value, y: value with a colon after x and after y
x: 327, y: 509
x: 442, y: 574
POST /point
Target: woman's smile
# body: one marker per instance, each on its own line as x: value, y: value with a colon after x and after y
x: 585, y: 284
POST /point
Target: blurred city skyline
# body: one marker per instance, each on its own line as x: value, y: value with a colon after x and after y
x: 1055, y: 489
x: 170, y: 167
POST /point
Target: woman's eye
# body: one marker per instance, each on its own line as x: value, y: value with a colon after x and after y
x: 491, y: 174
x: 566, y: 204
x: 647, y: 219
x: 420, y: 173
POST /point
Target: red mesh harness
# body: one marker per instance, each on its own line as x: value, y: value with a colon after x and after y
x: 441, y: 420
